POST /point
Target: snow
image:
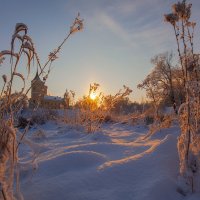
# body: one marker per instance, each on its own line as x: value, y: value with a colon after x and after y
x: 112, y: 164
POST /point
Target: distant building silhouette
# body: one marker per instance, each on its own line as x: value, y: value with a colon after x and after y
x: 40, y: 98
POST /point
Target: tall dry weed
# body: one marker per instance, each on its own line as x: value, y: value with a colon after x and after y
x: 11, y: 102
x: 189, y: 117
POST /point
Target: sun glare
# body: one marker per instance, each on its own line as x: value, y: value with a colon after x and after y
x: 93, y: 96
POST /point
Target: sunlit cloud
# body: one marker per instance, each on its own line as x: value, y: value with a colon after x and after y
x: 112, y: 25
x: 131, y: 21
x: 149, y: 34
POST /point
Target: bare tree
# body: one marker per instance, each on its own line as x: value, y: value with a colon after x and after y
x: 160, y: 83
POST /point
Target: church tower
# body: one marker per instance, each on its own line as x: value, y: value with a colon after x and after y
x: 40, y: 98
x: 38, y: 89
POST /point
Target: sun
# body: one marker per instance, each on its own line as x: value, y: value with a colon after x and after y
x: 93, y: 95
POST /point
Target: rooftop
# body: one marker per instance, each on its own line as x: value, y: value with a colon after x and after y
x: 53, y: 98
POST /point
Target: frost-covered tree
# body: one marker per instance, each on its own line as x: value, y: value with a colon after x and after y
x: 160, y: 84
x: 163, y: 72
x: 152, y: 91
x: 164, y: 85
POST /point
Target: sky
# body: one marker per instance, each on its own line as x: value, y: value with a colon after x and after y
x: 114, y: 49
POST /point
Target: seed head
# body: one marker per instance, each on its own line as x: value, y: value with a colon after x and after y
x: 171, y: 18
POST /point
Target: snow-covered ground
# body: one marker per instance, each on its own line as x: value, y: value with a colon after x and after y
x: 62, y: 163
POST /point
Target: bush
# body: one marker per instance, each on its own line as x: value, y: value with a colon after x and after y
x: 43, y: 115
